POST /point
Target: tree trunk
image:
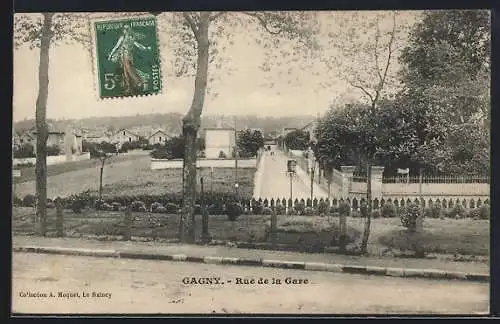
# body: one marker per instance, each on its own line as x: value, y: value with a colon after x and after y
x: 368, y: 220
x: 100, y: 180
x: 191, y: 124
x: 41, y: 124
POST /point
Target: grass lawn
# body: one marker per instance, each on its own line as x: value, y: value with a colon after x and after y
x: 468, y: 237
x: 130, y: 176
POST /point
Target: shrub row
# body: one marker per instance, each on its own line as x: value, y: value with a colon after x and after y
x: 219, y: 203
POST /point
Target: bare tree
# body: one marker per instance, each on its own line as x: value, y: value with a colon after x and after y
x: 42, y: 32
x: 366, y: 48
x: 202, y: 51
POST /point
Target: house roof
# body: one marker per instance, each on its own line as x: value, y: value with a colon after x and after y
x: 222, y: 128
x: 126, y: 130
x: 158, y: 131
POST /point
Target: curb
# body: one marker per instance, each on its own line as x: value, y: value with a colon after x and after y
x: 308, y: 266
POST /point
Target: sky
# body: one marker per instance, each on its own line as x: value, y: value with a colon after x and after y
x: 73, y: 93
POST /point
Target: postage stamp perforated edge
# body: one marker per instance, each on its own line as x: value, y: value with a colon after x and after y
x: 109, y: 17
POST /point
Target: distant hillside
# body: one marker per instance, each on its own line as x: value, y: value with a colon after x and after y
x: 172, y: 122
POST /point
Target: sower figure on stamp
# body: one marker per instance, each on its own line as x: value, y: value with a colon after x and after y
x: 133, y: 80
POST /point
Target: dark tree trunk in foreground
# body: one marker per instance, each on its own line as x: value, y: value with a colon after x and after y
x: 41, y: 124
x: 191, y: 125
x: 368, y: 220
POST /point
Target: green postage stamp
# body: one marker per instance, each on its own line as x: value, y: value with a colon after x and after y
x: 127, y: 58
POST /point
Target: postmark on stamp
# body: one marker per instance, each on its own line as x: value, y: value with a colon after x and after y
x: 127, y: 57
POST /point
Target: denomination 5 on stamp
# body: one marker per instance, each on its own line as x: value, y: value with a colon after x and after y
x: 127, y: 58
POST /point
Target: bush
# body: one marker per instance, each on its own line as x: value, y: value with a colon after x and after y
x: 299, y: 208
x: 17, y: 202
x: 171, y: 208
x: 344, y: 209
x: 355, y: 214
x: 29, y: 200
x: 376, y: 213
x: 53, y: 150
x: 406, y: 240
x: 267, y: 211
x: 233, y: 210
x: 458, y: 211
x: 474, y: 213
x: 257, y: 207
x: 216, y: 209
x: 388, y: 210
x: 136, y: 205
x: 484, y: 211
x: 222, y: 155
x: 24, y: 151
x: 116, y: 206
x: 309, y: 211
x: 334, y: 210
x: 77, y: 203
x: 131, y: 145
x: 107, y: 207
x: 412, y: 217
x: 280, y: 209
x: 436, y: 210
x: 160, y: 153
x: 155, y: 205
x: 323, y: 208
x: 161, y: 209
x: 50, y: 203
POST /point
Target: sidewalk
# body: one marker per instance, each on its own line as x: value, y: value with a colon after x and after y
x: 224, y: 254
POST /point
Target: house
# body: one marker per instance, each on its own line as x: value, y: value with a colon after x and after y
x: 219, y: 140
x: 16, y: 140
x: 311, y: 128
x: 287, y: 130
x: 158, y: 137
x: 27, y: 138
x: 55, y: 138
x: 123, y: 136
x: 65, y: 140
x: 95, y: 137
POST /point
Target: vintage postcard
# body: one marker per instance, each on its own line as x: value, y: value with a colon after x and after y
x: 319, y: 162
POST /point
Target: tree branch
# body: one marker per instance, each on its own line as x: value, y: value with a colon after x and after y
x: 216, y: 15
x: 358, y: 86
x: 192, y: 23
x: 377, y: 35
x: 263, y: 22
x: 389, y: 56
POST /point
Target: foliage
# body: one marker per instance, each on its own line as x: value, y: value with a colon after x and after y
x: 458, y: 211
x: 344, y: 208
x: 131, y: 145
x: 137, y: 206
x: 388, y: 210
x: 29, y: 200
x: 171, y: 208
x: 407, y: 240
x: 280, y: 209
x: 297, y: 140
x: 222, y: 155
x: 233, y: 210
x: 375, y: 213
x: 446, y: 97
x: 257, y: 207
x: 216, y: 208
x: 484, y: 211
x: 24, y: 151
x: 309, y: 211
x: 53, y: 150
x: 323, y: 208
x: 412, y: 217
x: 249, y: 141
x: 299, y: 208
